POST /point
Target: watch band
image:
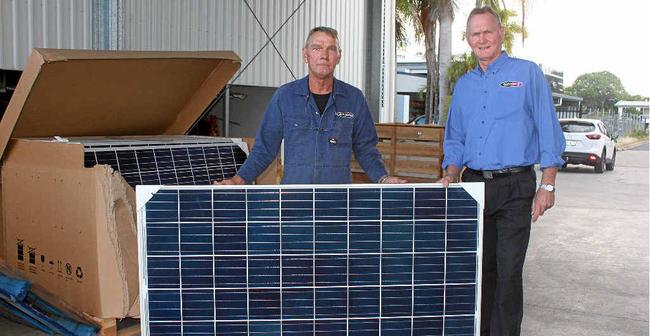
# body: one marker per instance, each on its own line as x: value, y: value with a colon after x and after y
x: 547, y: 187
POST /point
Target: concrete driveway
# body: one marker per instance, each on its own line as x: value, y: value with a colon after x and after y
x: 586, y: 271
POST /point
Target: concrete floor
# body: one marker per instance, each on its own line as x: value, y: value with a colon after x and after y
x: 587, y: 267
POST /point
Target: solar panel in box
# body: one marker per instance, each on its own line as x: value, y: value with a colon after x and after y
x: 307, y: 260
x: 172, y: 161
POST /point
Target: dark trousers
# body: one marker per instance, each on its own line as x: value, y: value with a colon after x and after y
x: 506, y: 231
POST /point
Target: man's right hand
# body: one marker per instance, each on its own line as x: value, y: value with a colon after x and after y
x: 235, y: 180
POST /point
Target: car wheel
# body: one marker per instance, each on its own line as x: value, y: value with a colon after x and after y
x: 600, y: 164
x: 610, y: 165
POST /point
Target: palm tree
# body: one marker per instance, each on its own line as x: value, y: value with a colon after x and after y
x: 444, y: 55
x: 424, y: 16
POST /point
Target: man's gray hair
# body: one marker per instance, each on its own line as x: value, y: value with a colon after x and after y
x: 482, y: 10
x: 322, y: 29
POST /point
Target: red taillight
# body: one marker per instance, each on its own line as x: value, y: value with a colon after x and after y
x: 593, y: 136
x: 593, y: 157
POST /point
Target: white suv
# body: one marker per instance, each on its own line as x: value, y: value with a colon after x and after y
x: 588, y: 142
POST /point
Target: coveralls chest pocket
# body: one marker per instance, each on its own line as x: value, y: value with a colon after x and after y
x: 340, y: 142
x: 296, y: 130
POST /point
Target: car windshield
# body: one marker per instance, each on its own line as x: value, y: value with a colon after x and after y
x: 577, y: 127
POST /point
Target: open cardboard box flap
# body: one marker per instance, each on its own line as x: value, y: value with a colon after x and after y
x: 111, y: 93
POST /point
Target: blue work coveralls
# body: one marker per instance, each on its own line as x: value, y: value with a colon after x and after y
x: 318, y: 148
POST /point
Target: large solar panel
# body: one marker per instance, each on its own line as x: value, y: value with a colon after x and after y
x: 181, y: 160
x: 310, y: 260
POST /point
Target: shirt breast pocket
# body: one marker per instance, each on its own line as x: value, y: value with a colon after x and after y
x: 295, y: 130
x: 510, y: 101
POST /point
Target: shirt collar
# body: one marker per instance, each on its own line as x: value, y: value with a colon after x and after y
x: 303, y: 87
x: 494, y: 66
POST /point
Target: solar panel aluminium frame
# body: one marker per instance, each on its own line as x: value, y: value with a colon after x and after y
x: 144, y: 194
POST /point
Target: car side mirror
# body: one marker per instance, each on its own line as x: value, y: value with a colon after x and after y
x: 615, y: 138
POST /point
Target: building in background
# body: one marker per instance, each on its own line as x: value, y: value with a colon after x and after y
x: 410, y: 86
x: 565, y: 105
x: 267, y: 36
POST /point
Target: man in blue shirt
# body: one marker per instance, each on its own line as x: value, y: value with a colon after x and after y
x: 502, y: 122
x: 322, y: 121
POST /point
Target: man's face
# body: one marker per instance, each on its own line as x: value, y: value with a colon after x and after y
x: 485, y: 37
x: 322, y: 55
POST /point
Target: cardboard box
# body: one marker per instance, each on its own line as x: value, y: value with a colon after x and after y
x: 70, y: 229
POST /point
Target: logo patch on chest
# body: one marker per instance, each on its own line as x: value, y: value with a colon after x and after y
x: 512, y: 84
x: 345, y: 115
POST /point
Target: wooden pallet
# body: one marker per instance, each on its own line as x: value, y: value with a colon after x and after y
x: 411, y: 152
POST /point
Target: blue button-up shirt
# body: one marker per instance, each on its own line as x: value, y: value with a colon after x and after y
x: 317, y: 147
x: 503, y: 117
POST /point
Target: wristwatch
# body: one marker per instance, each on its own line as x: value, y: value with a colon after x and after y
x: 547, y: 187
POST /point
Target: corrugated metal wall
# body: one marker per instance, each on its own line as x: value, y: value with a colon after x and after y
x: 230, y: 24
x: 191, y: 25
x: 27, y: 24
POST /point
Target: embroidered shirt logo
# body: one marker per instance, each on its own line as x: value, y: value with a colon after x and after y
x: 345, y: 115
x: 511, y: 84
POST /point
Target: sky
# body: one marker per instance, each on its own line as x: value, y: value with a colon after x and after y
x: 577, y: 37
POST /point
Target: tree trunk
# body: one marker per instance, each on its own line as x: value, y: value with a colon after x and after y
x: 429, y: 19
x: 444, y: 56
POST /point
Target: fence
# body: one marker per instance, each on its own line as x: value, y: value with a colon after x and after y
x: 569, y: 114
x: 626, y: 124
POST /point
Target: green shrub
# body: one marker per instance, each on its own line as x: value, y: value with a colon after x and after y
x: 639, y: 133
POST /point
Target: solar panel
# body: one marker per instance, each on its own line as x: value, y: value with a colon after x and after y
x: 310, y: 260
x: 186, y: 160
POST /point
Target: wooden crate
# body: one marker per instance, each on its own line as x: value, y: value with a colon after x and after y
x: 411, y: 152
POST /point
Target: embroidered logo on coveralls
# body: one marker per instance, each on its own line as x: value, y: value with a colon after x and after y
x: 345, y: 115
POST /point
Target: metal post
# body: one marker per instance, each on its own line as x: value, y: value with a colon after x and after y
x: 226, y: 113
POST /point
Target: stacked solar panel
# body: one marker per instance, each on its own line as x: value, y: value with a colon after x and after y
x: 173, y: 161
x: 307, y: 260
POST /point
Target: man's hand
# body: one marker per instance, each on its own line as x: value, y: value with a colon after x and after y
x: 391, y: 180
x: 235, y: 180
x: 543, y: 201
x: 451, y: 176
x: 448, y: 179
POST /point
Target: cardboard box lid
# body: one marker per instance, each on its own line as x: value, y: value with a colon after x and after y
x: 109, y: 93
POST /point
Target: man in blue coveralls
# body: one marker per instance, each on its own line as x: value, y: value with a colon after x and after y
x: 322, y: 121
x: 502, y: 122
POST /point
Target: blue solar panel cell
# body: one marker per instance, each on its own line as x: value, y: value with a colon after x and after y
x: 353, y: 260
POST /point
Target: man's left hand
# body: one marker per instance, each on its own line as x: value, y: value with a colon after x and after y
x: 543, y: 201
x: 392, y: 180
